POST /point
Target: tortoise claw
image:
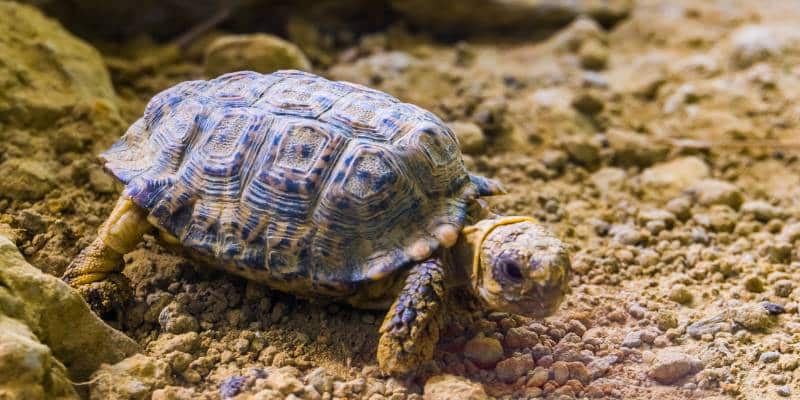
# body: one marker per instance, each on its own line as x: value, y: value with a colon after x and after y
x: 107, y: 295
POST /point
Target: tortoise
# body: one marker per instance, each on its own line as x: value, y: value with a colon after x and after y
x: 325, y: 190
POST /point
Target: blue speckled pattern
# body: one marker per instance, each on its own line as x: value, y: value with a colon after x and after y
x: 292, y: 179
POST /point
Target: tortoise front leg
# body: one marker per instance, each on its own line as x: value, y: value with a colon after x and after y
x: 410, y: 331
x: 96, y: 272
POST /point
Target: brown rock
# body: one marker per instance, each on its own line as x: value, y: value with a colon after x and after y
x: 135, y: 377
x: 470, y: 136
x: 510, y: 369
x: 521, y: 337
x: 257, y: 52
x: 484, y: 351
x: 667, y: 180
x: 26, y: 179
x: 560, y: 372
x: 445, y: 387
x: 711, y: 192
x: 635, y: 149
x: 538, y: 377
x: 58, y: 316
x: 670, y: 366
x: 28, y: 369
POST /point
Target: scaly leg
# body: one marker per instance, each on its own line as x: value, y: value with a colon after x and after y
x: 96, y: 272
x: 410, y: 331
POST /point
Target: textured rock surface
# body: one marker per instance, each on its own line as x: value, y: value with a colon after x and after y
x: 52, y: 71
x: 58, y: 317
x: 28, y: 369
x: 135, y: 377
x: 26, y: 179
x: 442, y: 387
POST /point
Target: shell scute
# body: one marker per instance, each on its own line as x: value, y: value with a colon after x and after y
x: 307, y: 96
x: 364, y: 114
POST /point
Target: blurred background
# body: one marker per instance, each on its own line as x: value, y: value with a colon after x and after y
x: 659, y: 138
x: 166, y: 19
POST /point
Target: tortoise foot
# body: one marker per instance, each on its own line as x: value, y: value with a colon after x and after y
x: 410, y: 330
x: 398, y: 354
x: 107, y: 295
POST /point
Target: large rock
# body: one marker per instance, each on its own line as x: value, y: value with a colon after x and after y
x: 258, y: 52
x: 50, y: 72
x: 475, y: 16
x: 28, y: 369
x: 168, y: 18
x: 57, y: 317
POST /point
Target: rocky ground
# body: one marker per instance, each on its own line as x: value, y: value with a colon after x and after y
x: 663, y: 147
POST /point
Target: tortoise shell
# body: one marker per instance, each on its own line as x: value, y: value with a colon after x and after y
x: 292, y: 178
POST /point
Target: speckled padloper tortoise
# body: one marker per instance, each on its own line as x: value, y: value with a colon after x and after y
x: 325, y: 190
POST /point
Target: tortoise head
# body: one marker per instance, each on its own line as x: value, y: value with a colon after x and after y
x: 518, y: 266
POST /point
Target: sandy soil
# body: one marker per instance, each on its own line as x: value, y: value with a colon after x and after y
x: 664, y: 150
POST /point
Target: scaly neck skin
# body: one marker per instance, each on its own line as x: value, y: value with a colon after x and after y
x: 464, y: 253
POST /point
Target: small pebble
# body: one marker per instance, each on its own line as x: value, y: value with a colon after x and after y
x: 632, y: 340
x: 753, y: 317
x: 680, y: 294
x: 231, y: 386
x: 521, y: 337
x: 769, y: 357
x: 715, y: 192
x: 470, y: 136
x: 762, y: 210
x: 666, y: 320
x: 783, y: 287
x: 681, y: 207
x: 560, y: 372
x: 773, y: 309
x: 670, y: 366
x: 538, y: 377
x: 484, y: 351
x: 509, y: 370
x: 754, y: 284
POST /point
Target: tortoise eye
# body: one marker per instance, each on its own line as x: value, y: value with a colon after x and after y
x: 509, y: 269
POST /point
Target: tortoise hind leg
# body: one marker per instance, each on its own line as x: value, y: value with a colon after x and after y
x: 96, y: 272
x: 410, y: 331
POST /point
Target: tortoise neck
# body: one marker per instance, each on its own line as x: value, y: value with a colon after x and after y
x: 466, y: 253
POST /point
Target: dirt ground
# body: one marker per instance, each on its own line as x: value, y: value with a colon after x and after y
x: 665, y: 150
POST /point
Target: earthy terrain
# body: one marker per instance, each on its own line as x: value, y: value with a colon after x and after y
x: 660, y: 139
